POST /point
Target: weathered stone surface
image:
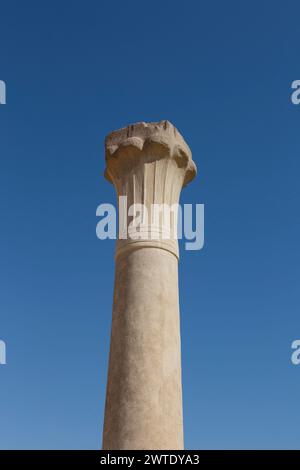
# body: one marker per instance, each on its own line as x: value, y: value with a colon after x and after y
x: 149, y: 163
x: 151, y: 141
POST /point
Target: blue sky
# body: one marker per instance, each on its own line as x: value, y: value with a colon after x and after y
x: 221, y: 72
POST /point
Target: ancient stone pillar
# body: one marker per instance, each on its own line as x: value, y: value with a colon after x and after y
x: 149, y: 163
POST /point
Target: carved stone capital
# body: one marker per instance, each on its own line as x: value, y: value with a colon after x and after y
x: 149, y: 163
x: 153, y: 141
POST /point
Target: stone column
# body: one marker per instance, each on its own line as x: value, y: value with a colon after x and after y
x: 149, y: 163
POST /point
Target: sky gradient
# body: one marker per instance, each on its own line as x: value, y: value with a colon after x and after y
x: 222, y: 73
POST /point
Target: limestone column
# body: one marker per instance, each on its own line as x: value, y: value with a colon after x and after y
x: 149, y: 163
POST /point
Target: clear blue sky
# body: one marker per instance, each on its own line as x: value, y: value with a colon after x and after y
x: 221, y: 72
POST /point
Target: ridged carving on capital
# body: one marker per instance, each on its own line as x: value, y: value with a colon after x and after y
x: 144, y: 143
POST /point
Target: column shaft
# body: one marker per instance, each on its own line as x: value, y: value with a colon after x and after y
x: 144, y: 404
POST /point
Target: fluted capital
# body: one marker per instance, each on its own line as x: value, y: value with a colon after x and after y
x: 149, y: 163
x: 153, y: 141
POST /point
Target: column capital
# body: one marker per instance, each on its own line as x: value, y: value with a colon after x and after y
x: 149, y: 163
x: 153, y: 140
